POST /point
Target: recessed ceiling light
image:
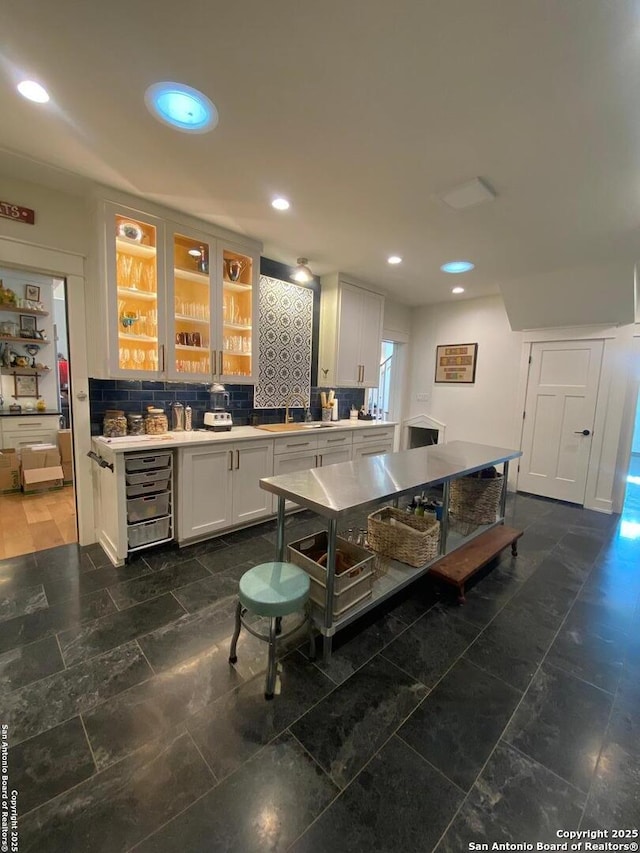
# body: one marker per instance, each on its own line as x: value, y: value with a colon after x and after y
x: 33, y: 91
x: 280, y: 203
x: 394, y: 259
x: 181, y: 107
x: 456, y: 267
x: 457, y: 290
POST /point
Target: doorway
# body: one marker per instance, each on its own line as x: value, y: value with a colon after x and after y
x: 37, y: 495
x: 385, y: 400
x: 558, y: 418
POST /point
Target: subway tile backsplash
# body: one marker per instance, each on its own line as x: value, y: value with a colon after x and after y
x: 136, y: 395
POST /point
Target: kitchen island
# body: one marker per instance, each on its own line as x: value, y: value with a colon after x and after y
x: 338, y: 490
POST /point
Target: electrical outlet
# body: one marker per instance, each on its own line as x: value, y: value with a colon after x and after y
x: 422, y: 397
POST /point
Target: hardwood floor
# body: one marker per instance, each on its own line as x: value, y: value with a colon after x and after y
x: 35, y: 522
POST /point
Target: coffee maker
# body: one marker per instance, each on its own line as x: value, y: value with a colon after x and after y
x: 218, y: 418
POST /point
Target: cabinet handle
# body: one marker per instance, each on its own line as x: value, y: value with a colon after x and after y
x: 230, y: 468
x: 221, y: 364
x: 317, y: 464
x: 331, y: 440
x: 320, y: 459
x: 162, y: 357
x: 299, y: 444
x: 237, y: 460
x: 213, y: 362
x: 362, y: 380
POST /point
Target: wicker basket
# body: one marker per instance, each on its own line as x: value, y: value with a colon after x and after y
x: 473, y: 500
x: 414, y: 540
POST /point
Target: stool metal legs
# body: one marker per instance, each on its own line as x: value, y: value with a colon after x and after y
x: 271, y: 638
x: 271, y: 665
x: 233, y: 657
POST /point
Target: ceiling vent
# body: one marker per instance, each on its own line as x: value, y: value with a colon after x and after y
x: 467, y: 195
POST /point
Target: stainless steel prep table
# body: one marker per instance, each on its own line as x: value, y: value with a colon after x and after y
x: 338, y: 489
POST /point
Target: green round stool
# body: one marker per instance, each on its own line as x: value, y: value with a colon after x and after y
x: 273, y: 590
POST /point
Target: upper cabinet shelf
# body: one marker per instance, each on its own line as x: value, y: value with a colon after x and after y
x: 132, y: 247
x: 191, y: 275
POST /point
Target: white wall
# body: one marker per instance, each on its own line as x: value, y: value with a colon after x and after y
x: 636, y: 430
x: 490, y: 410
x: 480, y: 412
x: 397, y: 321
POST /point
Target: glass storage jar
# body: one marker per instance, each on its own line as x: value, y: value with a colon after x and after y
x: 155, y: 422
x: 114, y: 424
x: 135, y: 425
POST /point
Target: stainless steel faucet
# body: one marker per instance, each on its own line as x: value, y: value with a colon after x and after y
x: 288, y: 418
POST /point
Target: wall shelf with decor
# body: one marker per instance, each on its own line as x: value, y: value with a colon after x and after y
x: 36, y: 371
x: 14, y: 309
x: 38, y: 341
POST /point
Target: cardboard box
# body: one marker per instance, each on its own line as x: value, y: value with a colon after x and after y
x: 41, y: 469
x: 64, y: 445
x: 9, y: 471
x: 67, y: 469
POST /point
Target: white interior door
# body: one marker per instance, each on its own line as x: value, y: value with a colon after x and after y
x: 559, y: 415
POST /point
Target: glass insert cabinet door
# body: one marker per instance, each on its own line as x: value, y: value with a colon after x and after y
x: 192, y: 351
x: 139, y: 308
x: 238, y: 308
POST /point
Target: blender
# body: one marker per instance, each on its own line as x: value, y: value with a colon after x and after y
x: 218, y: 418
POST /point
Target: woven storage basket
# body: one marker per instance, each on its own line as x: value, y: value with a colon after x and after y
x: 473, y: 500
x: 414, y: 546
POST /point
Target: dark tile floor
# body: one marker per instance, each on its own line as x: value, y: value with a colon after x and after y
x: 433, y: 725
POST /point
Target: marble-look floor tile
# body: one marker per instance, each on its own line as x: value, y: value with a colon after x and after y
x: 152, y: 709
x: 190, y: 635
x: 46, y: 765
x: 166, y: 556
x: 398, y: 802
x: 232, y: 729
x: 607, y: 606
x: 548, y: 590
x: 96, y: 554
x: 460, y: 722
x: 28, y: 599
x: 156, y: 583
x: 48, y: 702
x: 591, y: 652
x: 66, y: 559
x: 561, y: 724
x: 344, y: 730
x: 614, y: 799
x: 73, y: 583
x: 103, y: 634
x: 352, y: 652
x: 114, y: 810
x: 414, y: 602
x: 213, y: 588
x: 58, y: 617
x: 515, y: 798
x: 579, y: 550
x: 256, y: 550
x: 262, y: 808
x: 25, y: 664
x: 488, y: 593
x: 430, y: 646
x: 514, y: 643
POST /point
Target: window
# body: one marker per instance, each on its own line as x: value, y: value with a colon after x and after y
x: 379, y: 400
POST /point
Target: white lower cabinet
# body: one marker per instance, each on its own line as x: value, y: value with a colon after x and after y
x: 287, y: 463
x: 218, y: 486
x: 331, y: 457
x: 361, y: 451
x: 20, y: 432
x: 373, y: 442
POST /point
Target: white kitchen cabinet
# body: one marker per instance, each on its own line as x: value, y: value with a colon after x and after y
x: 287, y: 463
x: 330, y: 457
x: 373, y: 441
x: 218, y: 486
x: 181, y: 302
x: 351, y: 318
x: 19, y: 432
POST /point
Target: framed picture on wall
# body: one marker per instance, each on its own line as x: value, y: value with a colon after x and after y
x: 28, y: 324
x: 456, y: 363
x: 32, y: 292
x: 26, y: 385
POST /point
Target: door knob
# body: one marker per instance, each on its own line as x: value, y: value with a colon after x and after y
x: 582, y: 432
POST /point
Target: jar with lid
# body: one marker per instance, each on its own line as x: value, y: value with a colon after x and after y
x: 155, y: 422
x: 114, y: 424
x: 135, y: 424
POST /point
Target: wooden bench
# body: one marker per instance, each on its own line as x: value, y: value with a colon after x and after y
x: 456, y: 568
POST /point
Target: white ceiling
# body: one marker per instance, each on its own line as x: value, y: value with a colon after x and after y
x: 360, y: 112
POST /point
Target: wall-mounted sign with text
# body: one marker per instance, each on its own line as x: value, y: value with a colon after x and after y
x: 8, y: 210
x: 456, y: 363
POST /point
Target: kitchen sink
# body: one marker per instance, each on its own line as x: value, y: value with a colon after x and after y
x: 293, y: 427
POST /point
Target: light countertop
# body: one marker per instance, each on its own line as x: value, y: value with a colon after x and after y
x: 237, y: 433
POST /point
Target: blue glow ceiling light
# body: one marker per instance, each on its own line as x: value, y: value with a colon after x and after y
x: 456, y: 267
x: 181, y: 107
